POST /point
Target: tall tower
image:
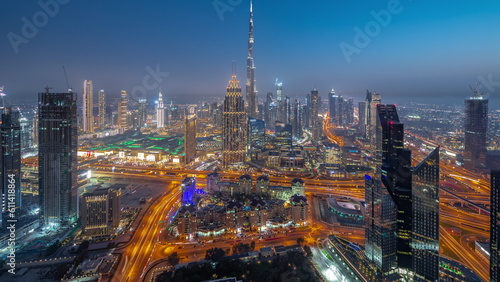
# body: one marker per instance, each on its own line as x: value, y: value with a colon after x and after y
x: 425, y: 201
x: 375, y: 100
x: 57, y: 159
x: 495, y: 226
x: 297, y: 122
x: 160, y: 112
x: 102, y: 109
x: 234, y: 125
x: 251, y: 89
x: 189, y: 138
x: 476, y: 126
x: 10, y: 164
x: 315, y: 121
x: 141, y: 118
x: 123, y: 111
x: 333, y: 106
x: 88, y: 107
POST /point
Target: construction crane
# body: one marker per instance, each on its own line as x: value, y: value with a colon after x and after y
x: 70, y: 89
x: 476, y: 91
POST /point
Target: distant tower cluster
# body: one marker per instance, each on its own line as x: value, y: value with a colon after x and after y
x: 57, y: 158
x: 251, y: 89
x: 123, y: 114
x: 476, y: 126
x: 88, y: 107
x: 234, y: 125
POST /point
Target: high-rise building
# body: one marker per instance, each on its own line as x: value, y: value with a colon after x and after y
x: 34, y: 126
x: 123, y: 114
x: 495, y: 226
x: 189, y: 138
x: 10, y: 164
x: 349, y: 111
x: 372, y: 125
x: 160, y: 112
x: 141, y: 113
x: 316, y: 125
x: 256, y: 133
x: 476, y: 126
x: 297, y: 119
x: 267, y: 108
x: 57, y: 158
x: 283, y: 134
x: 26, y: 133
x: 100, y: 210
x: 88, y: 106
x: 102, y: 110
x: 279, y: 91
x: 425, y: 201
x: 251, y: 89
x: 188, y: 187
x: 234, y: 125
x: 333, y: 106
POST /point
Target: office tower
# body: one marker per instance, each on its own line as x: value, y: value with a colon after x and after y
x: 283, y: 133
x: 267, y: 108
x: 34, y: 126
x: 57, y: 158
x: 160, y: 112
x: 123, y: 114
x: 307, y: 112
x: 141, y: 113
x: 316, y: 125
x: 256, y: 132
x: 297, y: 119
x: 102, y: 110
x: 234, y: 125
x: 476, y: 126
x: 388, y: 199
x: 189, y: 138
x: 375, y: 100
x: 349, y: 111
x: 10, y: 165
x: 251, y: 88
x: 495, y: 226
x: 279, y: 91
x: 425, y: 201
x: 341, y: 111
x: 362, y: 121
x: 88, y: 107
x: 100, y: 210
x: 333, y: 105
x: 287, y: 111
x: 26, y: 132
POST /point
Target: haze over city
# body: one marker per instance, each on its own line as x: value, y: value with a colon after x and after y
x: 419, y: 54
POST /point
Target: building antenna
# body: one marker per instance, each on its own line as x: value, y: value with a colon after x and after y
x: 70, y: 89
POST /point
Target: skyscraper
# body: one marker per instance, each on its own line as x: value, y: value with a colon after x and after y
x: 10, y: 164
x: 279, y: 90
x: 316, y: 125
x: 88, y: 107
x: 333, y: 105
x: 57, y: 158
x: 160, y: 112
x: 189, y: 138
x: 102, y: 110
x: 476, y: 126
x: 372, y: 121
x: 141, y: 113
x: 234, y: 125
x: 123, y: 114
x: 297, y: 119
x: 495, y: 226
x: 267, y: 108
x: 425, y: 201
x: 251, y: 89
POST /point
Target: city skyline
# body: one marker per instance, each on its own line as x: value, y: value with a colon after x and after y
x: 285, y: 35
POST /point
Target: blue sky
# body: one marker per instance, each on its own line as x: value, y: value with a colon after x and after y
x: 429, y: 52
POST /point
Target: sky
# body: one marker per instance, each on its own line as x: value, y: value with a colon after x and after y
x: 422, y: 51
